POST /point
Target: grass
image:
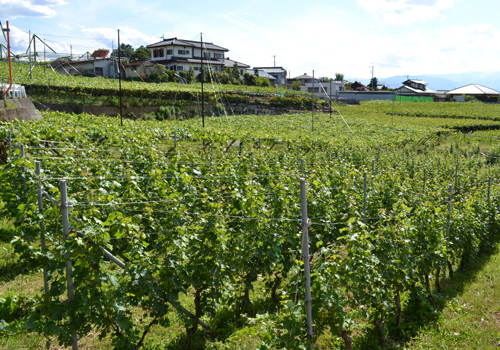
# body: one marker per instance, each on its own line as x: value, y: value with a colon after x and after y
x: 470, y: 318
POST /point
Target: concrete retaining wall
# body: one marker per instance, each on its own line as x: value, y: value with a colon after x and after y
x: 25, y: 110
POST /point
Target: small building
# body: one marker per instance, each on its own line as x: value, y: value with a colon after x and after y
x: 357, y: 86
x: 98, y: 65
x: 414, y: 87
x: 316, y: 86
x: 263, y: 74
x: 481, y: 93
x: 279, y: 73
x: 242, y: 68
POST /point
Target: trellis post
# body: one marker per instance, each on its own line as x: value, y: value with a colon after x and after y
x: 67, y: 256
x: 305, y: 254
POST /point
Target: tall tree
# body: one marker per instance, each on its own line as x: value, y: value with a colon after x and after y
x: 373, y: 83
x: 339, y: 77
x: 126, y: 50
x: 140, y: 55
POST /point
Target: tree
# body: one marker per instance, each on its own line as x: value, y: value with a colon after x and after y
x: 296, y: 85
x: 250, y: 79
x: 126, y: 50
x: 373, y: 83
x: 140, y: 55
x: 191, y: 76
x: 339, y: 77
x: 236, y: 72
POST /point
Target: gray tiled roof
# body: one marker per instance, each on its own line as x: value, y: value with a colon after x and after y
x: 473, y: 89
x: 187, y: 43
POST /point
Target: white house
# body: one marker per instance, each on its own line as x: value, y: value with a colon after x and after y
x: 320, y: 88
x: 179, y: 55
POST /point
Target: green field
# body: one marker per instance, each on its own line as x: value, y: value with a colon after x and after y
x: 207, y: 222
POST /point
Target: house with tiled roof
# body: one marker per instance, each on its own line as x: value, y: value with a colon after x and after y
x: 414, y: 87
x: 477, y: 91
x: 179, y: 55
x: 316, y: 86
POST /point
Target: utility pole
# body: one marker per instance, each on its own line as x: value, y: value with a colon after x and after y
x: 29, y: 55
x: 120, y: 79
x: 312, y: 126
x: 202, y: 78
x: 113, y: 56
x: 44, y: 60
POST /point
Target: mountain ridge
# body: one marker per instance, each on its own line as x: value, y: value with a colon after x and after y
x: 444, y: 81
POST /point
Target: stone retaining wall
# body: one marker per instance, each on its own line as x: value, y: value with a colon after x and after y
x: 140, y: 111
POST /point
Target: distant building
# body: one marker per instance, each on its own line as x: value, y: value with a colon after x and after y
x: 413, y: 87
x: 279, y: 73
x: 98, y: 65
x: 477, y: 91
x: 228, y: 63
x: 357, y: 86
x: 322, y: 89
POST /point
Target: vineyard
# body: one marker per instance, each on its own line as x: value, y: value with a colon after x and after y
x: 50, y: 89
x: 196, y: 235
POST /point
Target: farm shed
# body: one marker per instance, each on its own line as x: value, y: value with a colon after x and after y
x: 480, y: 92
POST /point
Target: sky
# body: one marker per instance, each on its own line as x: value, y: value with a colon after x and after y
x: 352, y: 37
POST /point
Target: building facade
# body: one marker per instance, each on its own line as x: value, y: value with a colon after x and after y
x: 179, y: 55
x: 324, y: 89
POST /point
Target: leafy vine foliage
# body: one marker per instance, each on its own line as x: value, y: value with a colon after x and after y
x: 193, y: 216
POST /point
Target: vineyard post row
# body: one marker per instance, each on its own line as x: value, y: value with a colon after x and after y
x: 64, y: 205
x: 449, y: 200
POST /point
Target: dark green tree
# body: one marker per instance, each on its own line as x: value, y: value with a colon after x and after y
x: 126, y: 50
x: 236, y: 72
x: 339, y: 77
x: 140, y: 55
x: 373, y: 83
x: 191, y: 76
x: 249, y: 79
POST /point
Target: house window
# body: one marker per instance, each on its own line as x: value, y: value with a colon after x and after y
x: 206, y: 54
x: 180, y: 68
x: 99, y: 71
x: 158, y: 53
x: 196, y: 68
x: 316, y: 90
x: 170, y: 52
x: 219, y: 55
x: 183, y: 52
x: 134, y: 68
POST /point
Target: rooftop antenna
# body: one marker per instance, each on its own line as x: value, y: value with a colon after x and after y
x: 274, y: 60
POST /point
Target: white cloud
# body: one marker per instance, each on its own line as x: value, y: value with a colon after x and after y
x: 406, y: 12
x: 29, y: 8
x: 127, y: 35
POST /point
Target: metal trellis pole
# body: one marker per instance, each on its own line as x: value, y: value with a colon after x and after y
x: 42, y: 223
x: 305, y: 254
x: 67, y: 255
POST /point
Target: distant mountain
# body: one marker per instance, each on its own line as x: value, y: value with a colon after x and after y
x: 448, y: 81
